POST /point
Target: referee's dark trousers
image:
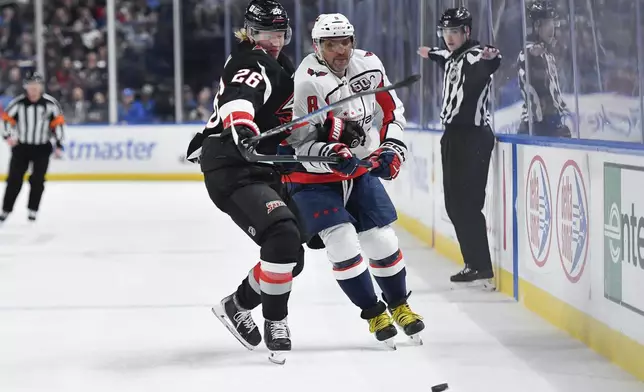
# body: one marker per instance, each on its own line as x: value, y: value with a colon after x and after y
x: 21, y: 156
x: 466, y: 151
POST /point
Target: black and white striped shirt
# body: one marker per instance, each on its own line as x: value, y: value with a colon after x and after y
x: 466, y: 84
x: 541, y: 90
x: 34, y: 123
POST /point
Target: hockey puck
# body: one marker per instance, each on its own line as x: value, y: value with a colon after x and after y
x: 440, y: 387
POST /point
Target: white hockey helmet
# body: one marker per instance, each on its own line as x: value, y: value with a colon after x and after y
x: 329, y: 26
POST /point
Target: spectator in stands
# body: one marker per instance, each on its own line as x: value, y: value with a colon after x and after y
x: 204, y: 106
x: 131, y: 111
x: 13, y: 85
x: 98, y: 111
x: 77, y: 108
x: 94, y: 74
x: 147, y: 100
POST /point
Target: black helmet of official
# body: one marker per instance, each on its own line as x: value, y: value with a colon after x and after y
x: 540, y: 10
x: 455, y: 17
x: 267, y: 15
x: 33, y: 77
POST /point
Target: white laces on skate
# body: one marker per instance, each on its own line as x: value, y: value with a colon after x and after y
x: 279, y: 330
x: 246, y: 319
x: 465, y: 271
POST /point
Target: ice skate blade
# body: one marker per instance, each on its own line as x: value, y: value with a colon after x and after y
x: 390, y: 344
x: 277, y: 357
x: 218, y: 310
x: 416, y: 339
x: 482, y: 284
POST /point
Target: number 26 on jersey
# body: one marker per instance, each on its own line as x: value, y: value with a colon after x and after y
x: 248, y: 77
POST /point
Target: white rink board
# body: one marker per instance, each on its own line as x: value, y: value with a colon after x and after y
x: 148, y: 149
x: 412, y: 191
x: 566, y: 231
x: 499, y: 207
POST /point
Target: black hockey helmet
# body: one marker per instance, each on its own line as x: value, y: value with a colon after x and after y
x: 454, y: 18
x: 33, y: 77
x: 267, y: 15
x: 540, y: 10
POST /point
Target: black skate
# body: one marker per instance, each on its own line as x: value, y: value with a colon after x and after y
x: 473, y: 276
x: 239, y: 321
x: 3, y: 216
x: 381, y: 324
x: 277, y: 337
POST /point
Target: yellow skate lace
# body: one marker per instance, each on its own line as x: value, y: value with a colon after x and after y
x: 379, y: 322
x: 404, y: 316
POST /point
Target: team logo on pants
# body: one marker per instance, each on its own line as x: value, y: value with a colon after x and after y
x: 538, y: 210
x: 572, y: 221
x: 271, y: 205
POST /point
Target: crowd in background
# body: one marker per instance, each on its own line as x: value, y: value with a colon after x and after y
x: 76, y: 55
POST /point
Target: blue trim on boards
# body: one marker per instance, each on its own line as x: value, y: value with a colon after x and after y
x: 629, y: 148
x: 515, y: 225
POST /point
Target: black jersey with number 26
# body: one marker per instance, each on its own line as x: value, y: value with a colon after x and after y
x: 256, y: 90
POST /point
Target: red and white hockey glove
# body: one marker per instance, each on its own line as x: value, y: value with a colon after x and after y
x: 387, y: 159
x: 349, y: 163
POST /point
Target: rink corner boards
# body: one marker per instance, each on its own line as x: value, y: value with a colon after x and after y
x: 600, y: 324
x: 613, y: 345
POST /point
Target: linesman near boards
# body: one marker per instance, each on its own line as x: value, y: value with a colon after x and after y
x: 468, y: 140
x: 31, y: 120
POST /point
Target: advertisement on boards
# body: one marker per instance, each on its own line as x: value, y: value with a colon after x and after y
x: 553, y: 214
x: 623, y: 257
x: 145, y: 149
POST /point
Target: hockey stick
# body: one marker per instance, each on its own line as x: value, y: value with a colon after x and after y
x: 281, y: 128
x: 250, y: 155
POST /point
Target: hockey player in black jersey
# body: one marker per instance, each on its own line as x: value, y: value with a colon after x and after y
x: 543, y: 104
x: 255, y: 95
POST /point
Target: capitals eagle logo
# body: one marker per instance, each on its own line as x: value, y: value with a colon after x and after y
x: 311, y: 72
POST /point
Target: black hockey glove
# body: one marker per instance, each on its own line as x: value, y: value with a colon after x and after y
x: 337, y: 130
x: 194, y: 148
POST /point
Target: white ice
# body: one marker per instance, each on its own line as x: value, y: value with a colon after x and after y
x: 111, y: 291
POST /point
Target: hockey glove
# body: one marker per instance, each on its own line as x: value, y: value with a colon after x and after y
x: 387, y: 159
x: 349, y: 164
x: 337, y: 130
x: 194, y: 148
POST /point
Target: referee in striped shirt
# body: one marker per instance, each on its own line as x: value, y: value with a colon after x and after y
x: 468, y: 140
x: 31, y: 121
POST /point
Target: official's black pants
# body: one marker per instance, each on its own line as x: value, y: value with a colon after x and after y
x: 21, y: 156
x: 466, y: 152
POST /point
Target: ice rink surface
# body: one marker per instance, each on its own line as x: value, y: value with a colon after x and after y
x: 111, y: 291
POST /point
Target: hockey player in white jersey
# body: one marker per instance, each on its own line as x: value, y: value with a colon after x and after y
x: 346, y: 204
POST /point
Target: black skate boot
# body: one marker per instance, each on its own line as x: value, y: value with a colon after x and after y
x: 277, y: 337
x: 410, y: 322
x: 3, y: 216
x: 239, y: 321
x: 470, y: 275
x: 381, y: 324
